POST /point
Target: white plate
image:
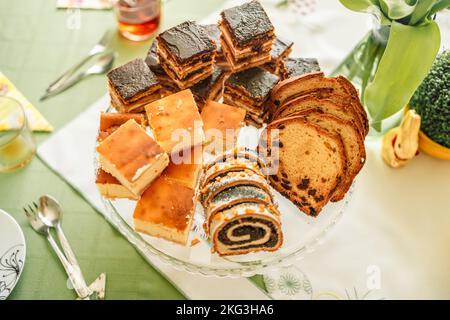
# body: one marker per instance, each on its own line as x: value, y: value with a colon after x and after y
x: 12, y: 254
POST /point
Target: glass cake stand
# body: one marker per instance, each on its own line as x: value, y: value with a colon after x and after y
x: 301, y: 235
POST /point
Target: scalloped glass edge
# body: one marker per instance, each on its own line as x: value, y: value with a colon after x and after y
x: 147, y: 250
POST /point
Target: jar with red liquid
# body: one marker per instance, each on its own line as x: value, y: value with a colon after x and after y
x: 138, y: 19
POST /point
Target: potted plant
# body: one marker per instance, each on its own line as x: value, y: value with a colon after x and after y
x: 432, y: 102
x: 392, y: 60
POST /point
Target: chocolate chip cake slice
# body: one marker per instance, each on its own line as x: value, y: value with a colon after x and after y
x: 337, y: 89
x: 355, y: 153
x: 250, y: 90
x: 311, y: 162
x: 246, y: 36
x: 132, y: 86
x: 340, y: 108
x: 186, y: 53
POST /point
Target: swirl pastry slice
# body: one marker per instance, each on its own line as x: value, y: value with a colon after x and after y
x: 232, y: 179
x: 222, y: 168
x: 245, y: 228
x: 237, y: 153
x: 235, y: 195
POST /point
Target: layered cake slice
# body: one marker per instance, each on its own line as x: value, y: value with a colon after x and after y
x: 281, y: 49
x: 166, y: 210
x: 221, y: 124
x: 132, y: 157
x: 250, y: 90
x: 246, y: 36
x: 213, y: 32
x: 167, y: 84
x: 176, y: 122
x: 210, y: 88
x: 109, y: 186
x: 186, y: 53
x: 132, y: 86
x: 297, y: 66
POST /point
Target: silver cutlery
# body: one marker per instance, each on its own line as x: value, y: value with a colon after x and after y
x: 52, y: 212
x: 104, y: 64
x: 100, y: 47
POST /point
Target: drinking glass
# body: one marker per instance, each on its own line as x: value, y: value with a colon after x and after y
x: 17, y: 146
x: 138, y: 19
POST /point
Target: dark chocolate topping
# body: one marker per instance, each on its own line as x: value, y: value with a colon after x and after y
x: 213, y: 32
x: 298, y: 66
x: 257, y: 82
x: 186, y: 40
x: 132, y: 78
x: 203, y: 88
x: 279, y: 46
x: 152, y: 59
x: 247, y: 21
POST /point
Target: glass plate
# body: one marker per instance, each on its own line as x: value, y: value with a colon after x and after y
x: 301, y: 234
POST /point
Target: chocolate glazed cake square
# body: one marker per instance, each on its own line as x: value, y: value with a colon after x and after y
x: 250, y: 90
x: 167, y: 85
x: 281, y: 49
x: 246, y: 36
x: 211, y: 88
x: 186, y: 53
x: 297, y: 66
x: 213, y: 32
x: 132, y: 85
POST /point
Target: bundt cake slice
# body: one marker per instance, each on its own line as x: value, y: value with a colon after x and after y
x: 311, y: 161
x: 353, y: 146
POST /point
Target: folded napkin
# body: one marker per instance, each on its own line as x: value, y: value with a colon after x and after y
x: 70, y: 153
x: 36, y: 120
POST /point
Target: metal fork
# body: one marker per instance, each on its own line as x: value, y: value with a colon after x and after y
x: 74, y: 275
x: 100, y: 47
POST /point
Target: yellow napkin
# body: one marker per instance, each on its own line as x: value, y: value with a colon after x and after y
x: 36, y: 120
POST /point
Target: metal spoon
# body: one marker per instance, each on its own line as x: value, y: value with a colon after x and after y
x: 74, y: 275
x: 104, y: 63
x: 50, y: 213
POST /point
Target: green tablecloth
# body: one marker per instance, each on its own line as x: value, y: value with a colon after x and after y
x: 35, y: 46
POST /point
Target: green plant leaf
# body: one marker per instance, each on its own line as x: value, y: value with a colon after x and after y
x: 408, y: 57
x: 358, y: 5
x: 421, y: 11
x: 396, y: 9
x: 439, y: 6
x: 367, y: 6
